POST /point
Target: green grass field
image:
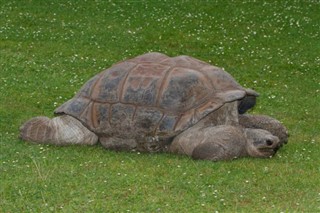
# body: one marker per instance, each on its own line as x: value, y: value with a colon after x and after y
x: 50, y: 48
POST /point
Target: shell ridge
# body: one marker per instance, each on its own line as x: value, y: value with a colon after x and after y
x: 135, y: 112
x: 231, y: 95
x: 160, y: 62
x: 124, y: 82
x: 159, y: 122
x: 98, y: 108
x: 183, y: 124
x: 205, y: 73
x: 177, y: 122
x: 93, y: 88
x: 93, y: 114
x: 161, y: 88
x: 81, y: 115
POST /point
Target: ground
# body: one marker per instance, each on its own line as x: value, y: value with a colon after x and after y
x: 49, y: 49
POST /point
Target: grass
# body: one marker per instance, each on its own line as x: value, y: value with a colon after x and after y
x: 50, y: 48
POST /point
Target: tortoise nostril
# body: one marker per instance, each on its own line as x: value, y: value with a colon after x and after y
x: 269, y: 142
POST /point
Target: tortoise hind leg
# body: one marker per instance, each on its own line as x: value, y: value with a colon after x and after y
x: 62, y: 130
x: 37, y: 129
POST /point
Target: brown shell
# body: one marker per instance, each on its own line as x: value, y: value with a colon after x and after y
x: 153, y: 95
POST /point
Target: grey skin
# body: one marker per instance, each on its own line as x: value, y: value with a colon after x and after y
x: 156, y: 103
x: 225, y: 142
x: 221, y: 137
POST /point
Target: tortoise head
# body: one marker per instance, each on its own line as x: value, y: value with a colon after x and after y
x: 261, y: 143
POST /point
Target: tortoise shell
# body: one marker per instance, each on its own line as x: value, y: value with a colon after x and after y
x: 152, y: 95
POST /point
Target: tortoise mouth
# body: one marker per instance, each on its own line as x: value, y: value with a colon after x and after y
x: 268, y: 152
x: 268, y: 148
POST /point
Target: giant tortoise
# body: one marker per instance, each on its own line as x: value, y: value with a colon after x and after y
x: 156, y: 103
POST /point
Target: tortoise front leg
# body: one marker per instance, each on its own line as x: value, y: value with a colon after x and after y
x: 267, y: 123
x: 223, y: 142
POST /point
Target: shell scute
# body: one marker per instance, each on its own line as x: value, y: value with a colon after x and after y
x: 167, y: 124
x: 74, y: 106
x: 183, y: 90
x: 87, y: 88
x: 219, y: 79
x: 101, y: 117
x: 108, y: 88
x: 121, y: 115
x: 146, y: 119
x: 143, y: 83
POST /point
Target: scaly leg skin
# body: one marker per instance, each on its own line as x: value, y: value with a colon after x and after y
x: 223, y: 142
x: 61, y: 130
x: 267, y: 123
